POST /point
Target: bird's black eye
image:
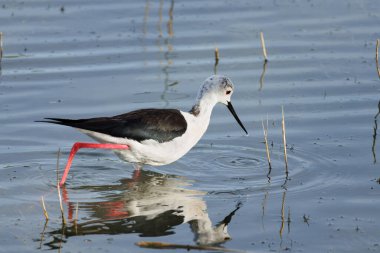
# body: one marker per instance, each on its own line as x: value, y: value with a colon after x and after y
x: 228, y: 92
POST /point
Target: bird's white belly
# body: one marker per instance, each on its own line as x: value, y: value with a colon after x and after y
x: 155, y: 153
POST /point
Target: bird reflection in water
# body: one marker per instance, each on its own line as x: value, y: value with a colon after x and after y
x: 149, y: 203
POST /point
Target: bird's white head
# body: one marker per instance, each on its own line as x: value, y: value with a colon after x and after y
x: 217, y: 89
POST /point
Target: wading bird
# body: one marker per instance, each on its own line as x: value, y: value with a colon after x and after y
x: 153, y: 136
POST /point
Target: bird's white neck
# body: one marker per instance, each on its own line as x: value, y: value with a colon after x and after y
x: 203, y: 106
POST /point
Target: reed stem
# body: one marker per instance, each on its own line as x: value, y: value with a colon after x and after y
x: 57, y: 168
x: 61, y: 205
x: 263, y: 46
x: 59, y: 190
x: 44, y: 208
x: 216, y: 56
x: 76, y: 211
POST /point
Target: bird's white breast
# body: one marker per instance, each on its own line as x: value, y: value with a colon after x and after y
x: 153, y: 152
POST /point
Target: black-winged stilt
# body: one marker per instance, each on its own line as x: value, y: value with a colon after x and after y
x: 153, y: 136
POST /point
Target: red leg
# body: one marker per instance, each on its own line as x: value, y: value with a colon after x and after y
x: 136, y: 174
x: 79, y: 145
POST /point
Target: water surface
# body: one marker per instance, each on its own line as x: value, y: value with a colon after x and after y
x: 83, y: 59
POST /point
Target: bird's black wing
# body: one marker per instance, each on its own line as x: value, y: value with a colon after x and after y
x: 161, y: 125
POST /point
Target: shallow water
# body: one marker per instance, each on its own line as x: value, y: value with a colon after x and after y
x: 78, y: 59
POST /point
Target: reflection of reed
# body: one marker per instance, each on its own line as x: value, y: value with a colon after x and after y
x: 377, y: 57
x: 306, y: 219
x: 145, y: 27
x: 1, y: 46
x: 167, y: 55
x: 263, y: 75
x: 263, y: 205
x: 167, y: 62
x: 170, y: 22
x: 146, y: 15
x: 216, y: 60
x: 374, y: 141
x: 282, y: 213
x: 160, y: 19
x: 288, y: 220
x: 1, y: 49
x: 283, y: 219
x: 42, y: 238
x: 375, y: 135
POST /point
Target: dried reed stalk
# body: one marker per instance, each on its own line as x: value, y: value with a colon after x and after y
x: 59, y: 190
x: 76, y: 211
x: 377, y: 57
x: 161, y: 245
x: 263, y: 46
x: 216, y: 56
x: 265, y: 130
x: 284, y: 140
x: 58, y: 155
x: 44, y: 208
x: 61, y: 205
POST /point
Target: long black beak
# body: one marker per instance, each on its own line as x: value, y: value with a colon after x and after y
x: 231, y: 108
x: 228, y: 218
